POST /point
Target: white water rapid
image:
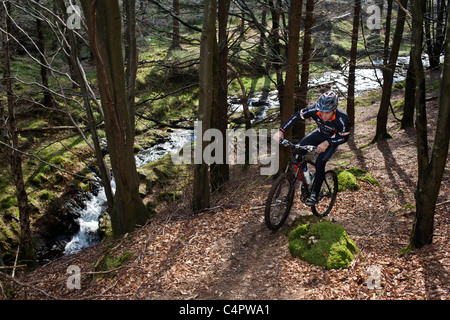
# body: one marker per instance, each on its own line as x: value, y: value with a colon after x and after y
x: 96, y: 204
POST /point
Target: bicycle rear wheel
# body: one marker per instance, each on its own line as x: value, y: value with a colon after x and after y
x: 327, y: 195
x: 279, y: 201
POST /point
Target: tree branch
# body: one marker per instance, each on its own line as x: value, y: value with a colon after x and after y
x: 168, y: 11
x: 47, y: 163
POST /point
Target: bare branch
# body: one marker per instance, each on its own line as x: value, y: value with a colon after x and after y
x: 48, y: 163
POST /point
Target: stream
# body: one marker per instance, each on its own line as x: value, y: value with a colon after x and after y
x: 95, y: 205
x: 259, y: 104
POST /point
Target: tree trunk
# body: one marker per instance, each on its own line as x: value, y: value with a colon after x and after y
x: 220, y: 173
x: 387, y: 33
x: 299, y: 131
x: 175, y: 27
x: 48, y: 99
x: 11, y: 137
x: 352, y: 64
x: 201, y: 192
x: 105, y: 33
x: 295, y: 15
x: 435, y: 22
x: 77, y: 69
x: 276, y: 59
x: 388, y: 77
x: 430, y: 176
x: 410, y: 94
x: 420, y: 103
x: 131, y: 56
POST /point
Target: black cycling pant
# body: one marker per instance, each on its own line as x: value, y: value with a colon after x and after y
x: 314, y: 139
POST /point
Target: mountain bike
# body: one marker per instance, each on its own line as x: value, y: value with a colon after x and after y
x: 281, y: 194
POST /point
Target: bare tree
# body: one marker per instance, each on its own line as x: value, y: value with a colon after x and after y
x: 430, y: 169
x: 295, y: 15
x: 77, y: 69
x: 48, y: 99
x: 388, y: 77
x: 299, y: 131
x: 175, y: 26
x: 202, y: 192
x: 11, y: 138
x: 220, y: 172
x: 131, y: 55
x: 105, y: 30
x: 435, y: 18
x: 352, y: 63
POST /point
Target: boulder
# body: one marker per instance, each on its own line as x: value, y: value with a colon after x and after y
x: 347, y: 181
x: 348, y: 178
x: 322, y: 244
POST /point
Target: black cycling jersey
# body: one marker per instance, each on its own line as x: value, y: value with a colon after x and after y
x: 336, y: 130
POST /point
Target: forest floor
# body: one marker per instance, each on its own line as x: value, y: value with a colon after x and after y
x: 228, y: 253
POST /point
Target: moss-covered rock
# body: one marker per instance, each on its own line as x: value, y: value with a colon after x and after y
x: 109, y: 262
x: 322, y: 244
x: 363, y: 175
x: 348, y: 178
x: 347, y: 181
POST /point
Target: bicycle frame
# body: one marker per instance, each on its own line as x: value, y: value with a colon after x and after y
x: 299, y: 161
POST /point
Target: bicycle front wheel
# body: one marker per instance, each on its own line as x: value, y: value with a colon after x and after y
x: 279, y: 201
x: 327, y: 195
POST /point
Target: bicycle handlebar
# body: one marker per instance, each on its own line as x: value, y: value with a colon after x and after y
x: 307, y: 148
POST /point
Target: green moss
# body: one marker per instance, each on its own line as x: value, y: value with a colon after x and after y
x: 110, y: 262
x: 46, y: 195
x: 8, y: 202
x: 169, y: 196
x: 347, y: 181
x: 348, y: 178
x: 322, y: 244
x: 39, y: 179
x: 58, y: 161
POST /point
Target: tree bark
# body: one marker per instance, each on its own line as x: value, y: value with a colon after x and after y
x: 11, y: 137
x: 77, y: 69
x: 202, y: 192
x: 410, y: 94
x: 220, y: 173
x: 388, y: 77
x: 352, y: 64
x: 430, y: 176
x: 48, y: 99
x: 299, y: 131
x: 175, y: 27
x: 435, y: 22
x: 387, y: 33
x: 420, y: 103
x: 295, y: 15
x: 276, y: 59
x: 105, y: 33
x: 131, y: 56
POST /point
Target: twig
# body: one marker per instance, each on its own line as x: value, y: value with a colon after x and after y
x: 8, y: 277
x: 445, y: 202
x: 49, y: 164
x: 13, y: 267
x: 257, y: 207
x: 15, y: 262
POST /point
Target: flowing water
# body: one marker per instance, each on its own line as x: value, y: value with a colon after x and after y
x: 95, y: 205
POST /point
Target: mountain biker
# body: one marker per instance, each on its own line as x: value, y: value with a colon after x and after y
x: 333, y: 129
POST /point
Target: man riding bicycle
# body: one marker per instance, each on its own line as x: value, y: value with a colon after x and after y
x: 333, y: 129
